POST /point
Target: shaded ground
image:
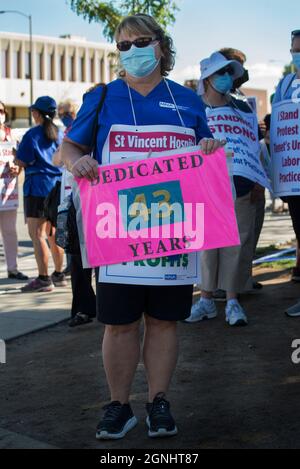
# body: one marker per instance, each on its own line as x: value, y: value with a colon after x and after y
x: 234, y: 388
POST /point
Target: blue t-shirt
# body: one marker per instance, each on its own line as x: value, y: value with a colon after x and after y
x: 285, y: 89
x: 156, y: 108
x: 36, y: 151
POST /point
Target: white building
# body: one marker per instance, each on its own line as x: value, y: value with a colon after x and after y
x: 64, y: 68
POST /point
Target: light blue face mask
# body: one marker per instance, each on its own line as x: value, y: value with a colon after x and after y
x: 296, y: 59
x: 222, y: 83
x: 139, y: 62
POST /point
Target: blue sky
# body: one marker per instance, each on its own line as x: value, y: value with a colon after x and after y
x: 261, y: 28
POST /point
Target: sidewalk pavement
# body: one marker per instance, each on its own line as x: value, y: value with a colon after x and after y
x: 21, y: 314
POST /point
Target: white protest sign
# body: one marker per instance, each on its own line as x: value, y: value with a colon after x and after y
x: 9, y: 199
x: 285, y: 148
x: 175, y: 270
x: 124, y: 142
x: 240, y: 129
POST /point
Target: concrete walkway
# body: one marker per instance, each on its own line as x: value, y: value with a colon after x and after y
x: 21, y: 314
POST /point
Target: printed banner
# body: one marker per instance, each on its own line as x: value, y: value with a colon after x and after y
x: 240, y: 129
x: 9, y: 198
x: 173, y: 270
x: 160, y: 138
x: 129, y: 142
x: 285, y: 148
x: 165, y: 206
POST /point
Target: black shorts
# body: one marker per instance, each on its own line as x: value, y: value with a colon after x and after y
x: 126, y: 304
x: 34, y: 207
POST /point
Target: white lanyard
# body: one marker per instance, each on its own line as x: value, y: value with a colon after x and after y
x: 172, y: 97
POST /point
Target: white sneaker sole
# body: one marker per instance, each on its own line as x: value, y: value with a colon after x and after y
x: 292, y: 315
x: 161, y: 433
x: 238, y: 323
x: 118, y: 436
x: 202, y: 318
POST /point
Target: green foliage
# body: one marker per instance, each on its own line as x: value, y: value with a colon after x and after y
x: 288, y: 69
x: 110, y: 13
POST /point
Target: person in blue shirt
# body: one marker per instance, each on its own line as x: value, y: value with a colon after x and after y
x: 35, y: 155
x: 141, y: 97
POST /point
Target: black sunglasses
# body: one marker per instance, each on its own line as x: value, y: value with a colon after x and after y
x: 141, y: 42
x: 224, y: 70
x: 295, y: 33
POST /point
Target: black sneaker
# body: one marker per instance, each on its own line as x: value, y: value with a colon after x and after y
x: 116, y: 422
x: 17, y: 276
x: 160, y: 421
x: 59, y: 280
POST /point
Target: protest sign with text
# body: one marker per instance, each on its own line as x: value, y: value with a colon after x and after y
x: 9, y: 199
x: 240, y: 129
x: 177, y: 203
x: 285, y: 148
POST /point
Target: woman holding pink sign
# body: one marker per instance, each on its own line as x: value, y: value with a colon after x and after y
x: 140, y: 104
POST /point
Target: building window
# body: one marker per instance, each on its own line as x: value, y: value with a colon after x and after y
x: 39, y: 66
x: 50, y: 75
x: 61, y: 68
x: 27, y: 65
x: 92, y: 70
x: 81, y: 69
x: 101, y: 66
x: 71, y: 68
x: 16, y: 64
x: 4, y: 63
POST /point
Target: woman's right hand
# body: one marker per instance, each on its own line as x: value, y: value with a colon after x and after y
x: 86, y: 167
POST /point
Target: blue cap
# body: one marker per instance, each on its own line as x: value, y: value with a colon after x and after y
x: 45, y: 104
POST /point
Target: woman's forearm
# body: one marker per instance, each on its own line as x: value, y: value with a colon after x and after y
x: 78, y: 161
x: 71, y: 152
x: 56, y: 159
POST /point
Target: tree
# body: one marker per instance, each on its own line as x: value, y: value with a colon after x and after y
x: 288, y: 69
x: 110, y: 13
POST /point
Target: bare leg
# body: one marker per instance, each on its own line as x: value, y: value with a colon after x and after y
x: 160, y: 354
x: 121, y: 355
x: 231, y: 296
x: 56, y: 251
x: 206, y: 294
x: 37, y: 233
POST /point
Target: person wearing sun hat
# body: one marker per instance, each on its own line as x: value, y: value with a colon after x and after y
x: 211, y: 67
x: 35, y: 155
x: 227, y: 269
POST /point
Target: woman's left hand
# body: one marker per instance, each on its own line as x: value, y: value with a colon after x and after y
x: 210, y: 145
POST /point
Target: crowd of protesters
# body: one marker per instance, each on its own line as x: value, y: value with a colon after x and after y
x: 51, y: 159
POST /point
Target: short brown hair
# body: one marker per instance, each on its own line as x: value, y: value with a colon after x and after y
x: 146, y: 24
x: 234, y: 54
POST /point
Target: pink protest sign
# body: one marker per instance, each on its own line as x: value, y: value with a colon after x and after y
x: 165, y: 206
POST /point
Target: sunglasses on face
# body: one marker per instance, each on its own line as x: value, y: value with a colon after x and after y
x: 140, y: 43
x: 225, y: 70
x: 2, y: 111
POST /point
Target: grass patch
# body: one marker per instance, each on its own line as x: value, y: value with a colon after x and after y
x: 266, y: 251
x: 278, y: 265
